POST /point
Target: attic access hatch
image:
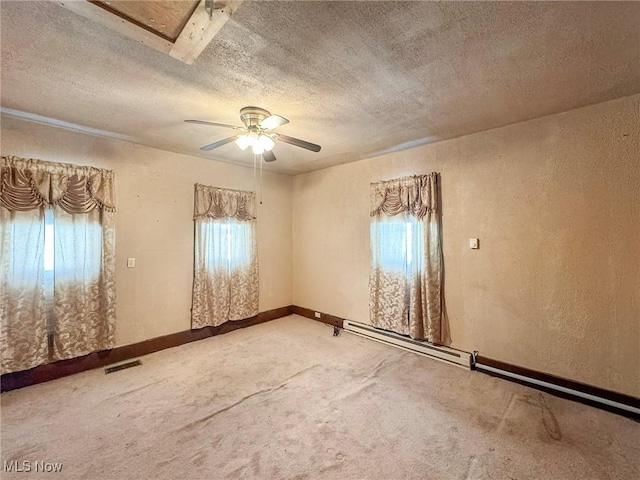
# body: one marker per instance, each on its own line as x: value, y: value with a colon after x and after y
x: 181, y: 28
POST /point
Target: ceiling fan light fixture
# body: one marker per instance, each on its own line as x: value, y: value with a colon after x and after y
x: 243, y: 142
x: 266, y: 142
x: 257, y: 149
x: 252, y: 138
x: 256, y: 133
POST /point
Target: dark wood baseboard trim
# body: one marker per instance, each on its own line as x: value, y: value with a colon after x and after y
x: 63, y: 368
x: 324, y: 317
x: 617, y: 397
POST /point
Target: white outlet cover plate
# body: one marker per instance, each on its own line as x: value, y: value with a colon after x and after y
x: 473, y: 243
x: 131, y: 262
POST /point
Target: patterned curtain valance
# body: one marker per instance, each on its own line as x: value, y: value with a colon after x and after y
x: 415, y: 195
x: 27, y: 184
x: 215, y: 202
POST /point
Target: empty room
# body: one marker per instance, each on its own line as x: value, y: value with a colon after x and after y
x: 246, y: 239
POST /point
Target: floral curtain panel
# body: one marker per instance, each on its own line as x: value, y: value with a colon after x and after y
x: 406, y: 258
x: 225, y: 285
x: 79, y: 312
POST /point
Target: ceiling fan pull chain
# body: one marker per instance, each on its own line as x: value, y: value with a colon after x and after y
x: 255, y: 185
x: 261, y: 163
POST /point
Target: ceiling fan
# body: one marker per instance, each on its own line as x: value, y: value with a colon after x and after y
x: 256, y: 133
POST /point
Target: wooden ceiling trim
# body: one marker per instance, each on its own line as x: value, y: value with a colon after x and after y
x: 163, y: 18
x: 195, y: 34
x: 117, y: 24
x: 200, y: 29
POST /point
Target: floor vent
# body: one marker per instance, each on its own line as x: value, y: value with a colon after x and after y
x: 122, y: 366
x: 443, y: 354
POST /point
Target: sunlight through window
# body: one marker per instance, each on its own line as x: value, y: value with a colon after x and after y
x: 48, y: 241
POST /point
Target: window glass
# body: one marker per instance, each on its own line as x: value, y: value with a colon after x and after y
x: 230, y: 240
x: 391, y: 240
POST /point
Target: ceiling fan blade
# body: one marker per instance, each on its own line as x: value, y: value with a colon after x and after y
x: 202, y: 122
x: 219, y: 143
x: 269, y: 156
x: 274, y: 121
x: 297, y: 142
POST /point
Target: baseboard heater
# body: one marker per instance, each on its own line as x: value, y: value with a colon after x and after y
x: 443, y: 354
x: 576, y: 394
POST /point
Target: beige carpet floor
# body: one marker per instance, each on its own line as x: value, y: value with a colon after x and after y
x: 286, y: 399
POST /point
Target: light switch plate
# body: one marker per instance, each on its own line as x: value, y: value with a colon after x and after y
x: 474, y: 243
x: 131, y: 262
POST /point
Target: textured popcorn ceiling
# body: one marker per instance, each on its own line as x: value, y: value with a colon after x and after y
x: 358, y: 78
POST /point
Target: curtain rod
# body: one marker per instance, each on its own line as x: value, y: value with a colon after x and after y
x: 226, y: 189
x: 401, y: 178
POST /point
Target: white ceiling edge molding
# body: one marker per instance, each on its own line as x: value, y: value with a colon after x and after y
x: 96, y: 132
x: 403, y: 146
x: 337, y: 160
x: 197, y: 33
x: 54, y: 122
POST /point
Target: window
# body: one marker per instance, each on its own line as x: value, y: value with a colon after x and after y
x: 49, y: 265
x: 406, y: 257
x: 48, y: 241
x: 225, y: 284
x: 228, y: 238
x: 396, y: 239
x: 57, y: 299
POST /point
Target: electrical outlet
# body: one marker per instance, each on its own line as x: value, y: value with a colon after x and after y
x: 474, y: 243
x: 317, y: 314
x: 131, y: 262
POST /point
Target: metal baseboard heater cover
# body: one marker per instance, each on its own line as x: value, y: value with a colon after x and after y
x: 559, y: 388
x: 443, y: 354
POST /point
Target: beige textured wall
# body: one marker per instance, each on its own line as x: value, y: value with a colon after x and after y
x: 154, y: 222
x: 555, y: 202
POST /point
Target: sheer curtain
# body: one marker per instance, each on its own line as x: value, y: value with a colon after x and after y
x: 406, y: 258
x: 84, y: 271
x: 23, y: 312
x: 66, y: 292
x: 225, y: 285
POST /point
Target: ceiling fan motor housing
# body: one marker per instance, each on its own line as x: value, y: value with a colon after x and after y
x: 252, y: 116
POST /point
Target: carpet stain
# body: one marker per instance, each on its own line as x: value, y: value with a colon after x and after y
x: 129, y: 392
x: 503, y: 419
x: 164, y: 463
x: 549, y: 421
x: 199, y: 458
x: 206, y: 418
x: 255, y: 463
x: 355, y: 392
x: 25, y: 453
x: 376, y: 369
x: 382, y: 364
x: 301, y: 476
